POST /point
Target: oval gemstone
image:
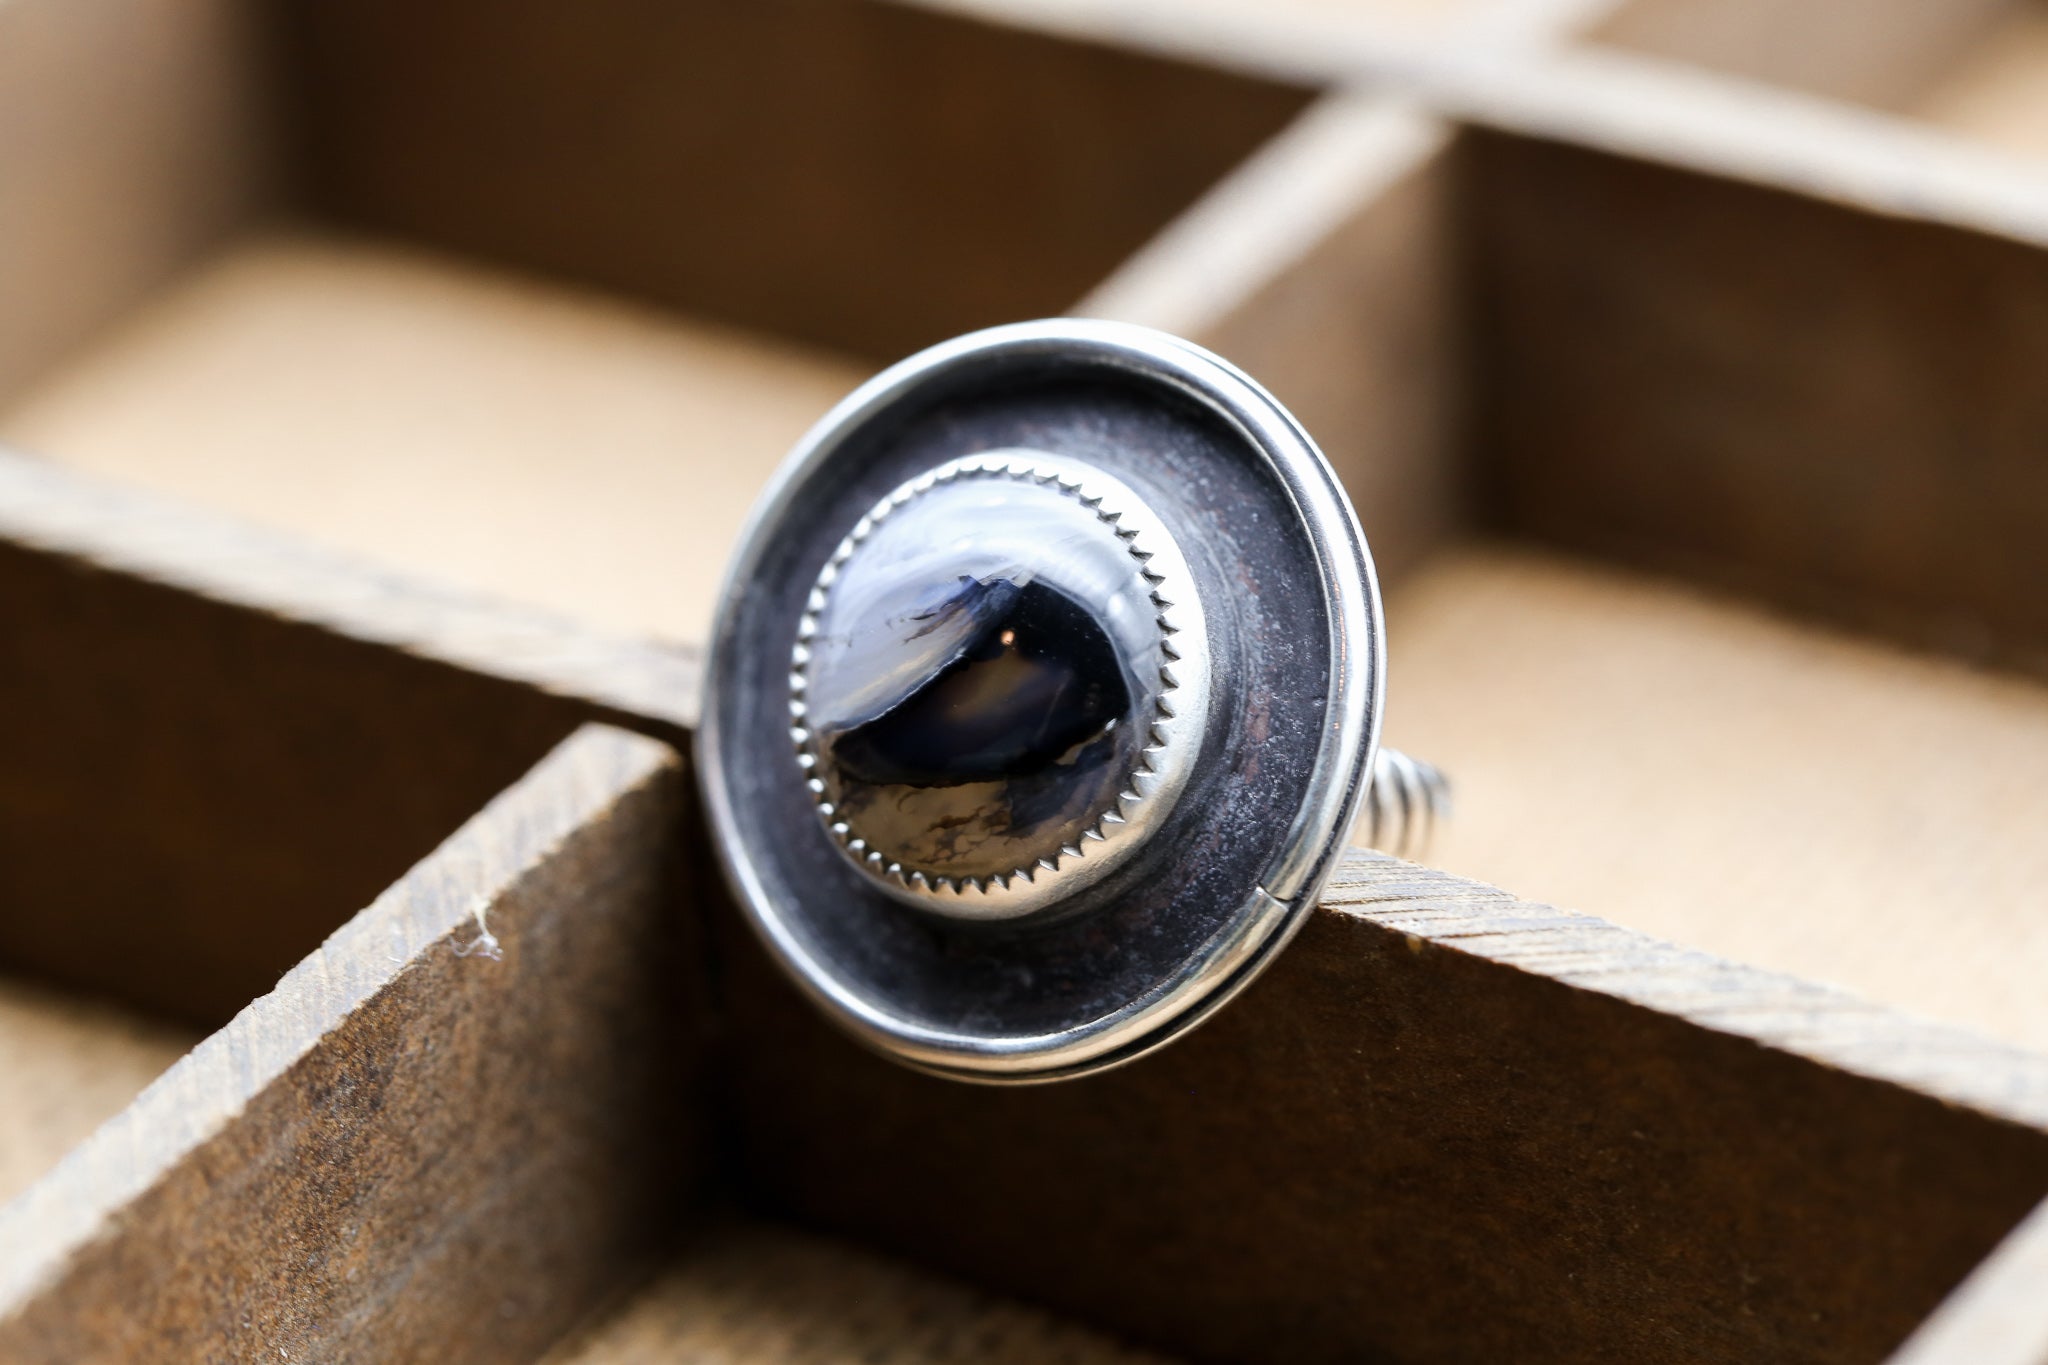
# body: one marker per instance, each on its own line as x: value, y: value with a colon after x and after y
x: 977, y: 677
x: 1035, y: 678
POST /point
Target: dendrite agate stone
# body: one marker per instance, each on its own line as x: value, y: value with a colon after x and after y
x: 979, y: 677
x: 1034, y: 682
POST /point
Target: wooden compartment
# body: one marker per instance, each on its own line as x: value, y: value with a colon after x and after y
x: 1977, y: 69
x: 1694, y: 428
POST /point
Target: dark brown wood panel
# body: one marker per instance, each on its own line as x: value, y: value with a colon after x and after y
x: 197, y: 787
x: 1448, y: 1125
x: 1999, y: 1316
x: 455, y: 1131
x: 864, y: 174
x: 1361, y: 338
x: 1836, y: 408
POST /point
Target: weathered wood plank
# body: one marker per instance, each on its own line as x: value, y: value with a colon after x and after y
x: 1325, y: 267
x: 1448, y: 1125
x: 1747, y: 384
x: 220, y: 744
x: 888, y: 225
x: 526, y: 440
x: 460, y: 1124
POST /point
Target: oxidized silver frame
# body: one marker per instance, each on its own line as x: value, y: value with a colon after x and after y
x: 1177, y: 726
x: 881, y: 978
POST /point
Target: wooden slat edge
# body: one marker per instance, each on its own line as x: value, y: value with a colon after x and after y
x: 1447, y: 1124
x: 1332, y: 44
x: 1877, y: 51
x: 1785, y: 1013
x: 224, y: 560
x: 1658, y: 109
x: 1273, y: 44
x: 1326, y: 266
x: 526, y: 959
x: 1330, y: 165
x: 1999, y: 1316
x: 1672, y: 114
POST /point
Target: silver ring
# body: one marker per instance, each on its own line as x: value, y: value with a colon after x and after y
x: 1044, y: 690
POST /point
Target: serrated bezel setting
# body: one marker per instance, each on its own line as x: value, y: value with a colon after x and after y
x: 1174, y: 710
x: 1216, y: 875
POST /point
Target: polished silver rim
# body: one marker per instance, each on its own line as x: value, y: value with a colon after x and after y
x: 1271, y: 910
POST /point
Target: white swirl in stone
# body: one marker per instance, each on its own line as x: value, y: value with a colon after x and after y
x: 1000, y: 683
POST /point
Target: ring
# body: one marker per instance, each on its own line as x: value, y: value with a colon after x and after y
x: 1044, y: 690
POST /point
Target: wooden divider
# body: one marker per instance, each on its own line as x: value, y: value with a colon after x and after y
x: 458, y: 1127
x: 219, y: 745
x: 884, y: 226
x: 1447, y: 1125
x: 1746, y: 384
x: 1327, y: 267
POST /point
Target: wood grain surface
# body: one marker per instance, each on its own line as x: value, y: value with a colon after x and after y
x: 1734, y: 779
x: 885, y: 225
x: 220, y: 745
x: 458, y: 1126
x: 1738, y: 336
x: 1745, y: 384
x: 1448, y: 1125
x: 1326, y: 268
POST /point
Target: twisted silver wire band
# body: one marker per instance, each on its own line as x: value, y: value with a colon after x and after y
x: 1406, y: 801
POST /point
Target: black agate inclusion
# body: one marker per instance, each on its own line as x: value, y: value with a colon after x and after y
x: 976, y: 677
x: 1036, y: 679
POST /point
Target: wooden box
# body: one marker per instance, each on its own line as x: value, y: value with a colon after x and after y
x: 1684, y: 359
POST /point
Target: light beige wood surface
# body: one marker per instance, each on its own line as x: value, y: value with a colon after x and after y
x: 1997, y: 91
x: 757, y: 1294
x: 66, y: 1066
x: 1698, y: 769
x: 531, y: 441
